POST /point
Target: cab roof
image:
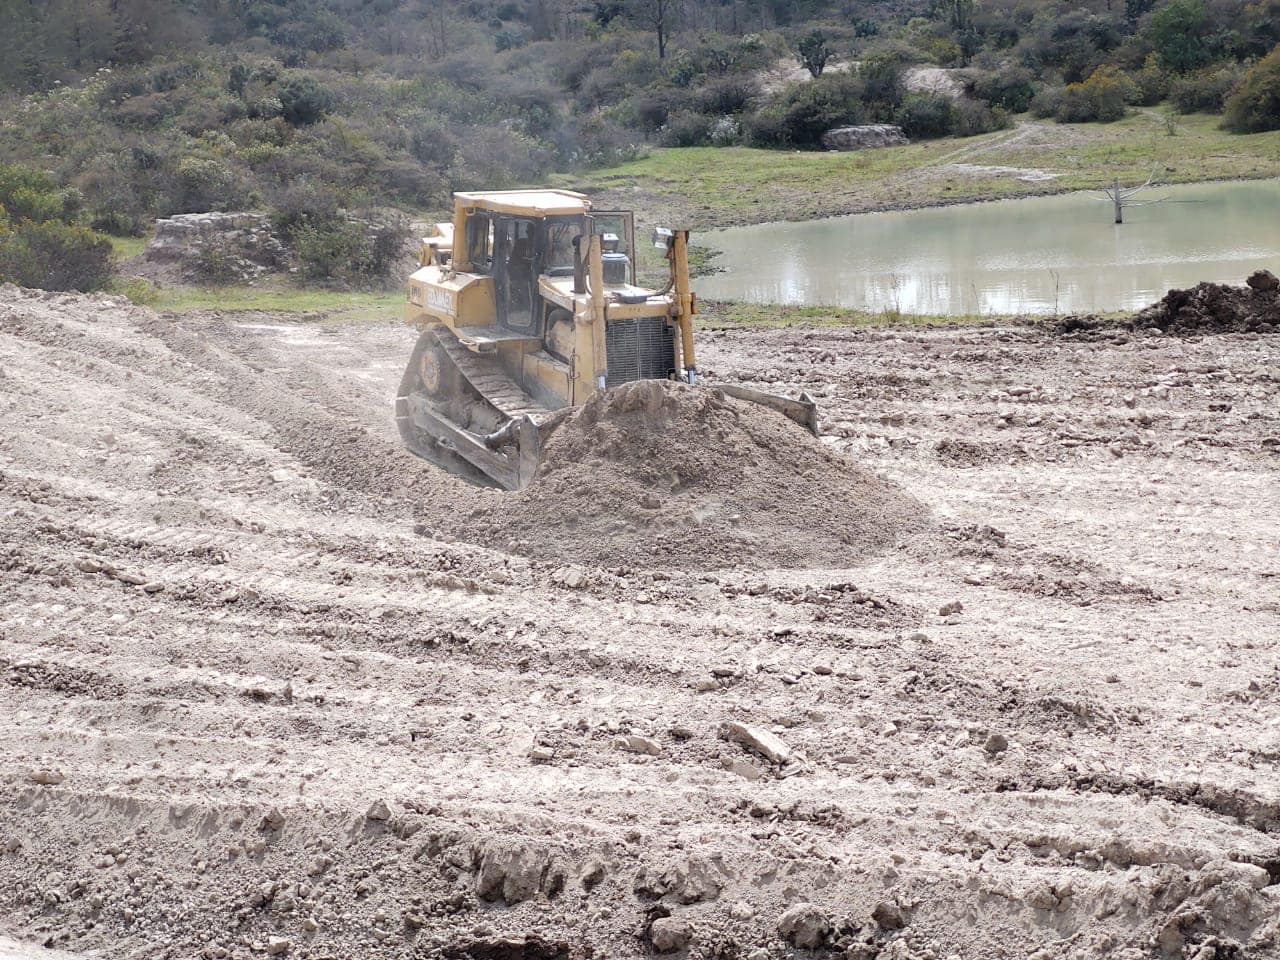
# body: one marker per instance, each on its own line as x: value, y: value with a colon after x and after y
x: 535, y: 203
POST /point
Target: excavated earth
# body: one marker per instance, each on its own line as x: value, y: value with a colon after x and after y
x: 273, y: 687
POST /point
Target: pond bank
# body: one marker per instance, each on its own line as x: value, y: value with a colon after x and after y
x: 704, y: 188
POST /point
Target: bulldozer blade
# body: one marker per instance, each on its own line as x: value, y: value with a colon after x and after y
x: 803, y: 411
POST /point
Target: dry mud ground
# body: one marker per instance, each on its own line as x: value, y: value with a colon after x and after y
x: 252, y: 707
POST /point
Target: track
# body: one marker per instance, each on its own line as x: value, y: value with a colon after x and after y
x: 232, y: 628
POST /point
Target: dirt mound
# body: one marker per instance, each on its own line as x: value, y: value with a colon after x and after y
x: 664, y: 473
x: 1204, y: 308
x: 1218, y: 308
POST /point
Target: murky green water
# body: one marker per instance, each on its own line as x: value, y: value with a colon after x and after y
x: 1039, y: 255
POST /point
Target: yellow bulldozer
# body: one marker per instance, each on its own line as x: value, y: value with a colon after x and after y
x: 527, y: 303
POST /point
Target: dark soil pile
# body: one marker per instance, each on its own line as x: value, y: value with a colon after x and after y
x: 663, y: 474
x: 1203, y: 309
x: 1218, y: 308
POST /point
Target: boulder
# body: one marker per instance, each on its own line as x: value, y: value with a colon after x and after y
x: 864, y: 136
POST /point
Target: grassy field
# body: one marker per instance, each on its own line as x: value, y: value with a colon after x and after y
x: 703, y: 187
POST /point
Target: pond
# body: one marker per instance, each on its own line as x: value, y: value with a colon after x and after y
x: 1060, y: 254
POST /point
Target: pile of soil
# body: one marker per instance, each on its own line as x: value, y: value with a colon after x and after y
x: 1203, y: 309
x: 662, y: 473
x: 1218, y: 308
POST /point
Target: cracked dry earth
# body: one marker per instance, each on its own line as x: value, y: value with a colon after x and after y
x: 252, y: 707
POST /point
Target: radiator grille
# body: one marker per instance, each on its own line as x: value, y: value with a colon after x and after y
x: 639, y: 349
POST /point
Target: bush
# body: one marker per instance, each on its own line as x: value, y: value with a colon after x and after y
x: 1047, y: 101
x: 1153, y: 82
x: 974, y: 117
x: 303, y: 101
x: 54, y: 256
x: 351, y: 251
x: 686, y: 129
x: 1205, y: 90
x: 1101, y: 98
x: 1254, y: 105
x: 800, y: 115
x: 883, y: 87
x: 926, y: 116
x: 1010, y: 88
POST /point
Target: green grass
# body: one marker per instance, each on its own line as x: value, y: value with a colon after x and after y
x: 732, y: 315
x: 126, y: 248
x: 333, y: 305
x: 703, y: 187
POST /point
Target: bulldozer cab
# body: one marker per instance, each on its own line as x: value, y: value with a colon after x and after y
x: 516, y: 250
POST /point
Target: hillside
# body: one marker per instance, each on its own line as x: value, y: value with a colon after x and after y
x: 324, y: 110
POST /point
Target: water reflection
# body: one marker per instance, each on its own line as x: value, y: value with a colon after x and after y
x: 1039, y: 255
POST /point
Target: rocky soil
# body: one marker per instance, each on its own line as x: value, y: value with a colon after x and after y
x: 261, y: 702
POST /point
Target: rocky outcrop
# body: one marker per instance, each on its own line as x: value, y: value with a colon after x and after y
x: 217, y: 247
x: 864, y: 136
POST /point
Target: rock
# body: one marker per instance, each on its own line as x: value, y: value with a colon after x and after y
x: 378, y: 810
x: 277, y: 945
x: 804, y: 925
x: 996, y: 743
x: 273, y: 819
x: 694, y: 880
x: 1264, y: 281
x: 864, y: 136
x: 635, y: 744
x: 512, y: 870
x: 669, y: 934
x: 888, y: 915
x: 748, y: 771
x: 593, y: 872
x: 541, y: 754
x: 319, y: 865
x: 948, y: 609
x: 48, y: 778
x: 768, y: 745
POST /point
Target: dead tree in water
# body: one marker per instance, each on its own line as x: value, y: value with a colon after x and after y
x: 1119, y: 197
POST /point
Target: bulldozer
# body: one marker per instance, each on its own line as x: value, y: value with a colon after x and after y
x: 527, y: 303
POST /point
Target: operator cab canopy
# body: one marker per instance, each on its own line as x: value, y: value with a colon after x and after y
x: 529, y: 203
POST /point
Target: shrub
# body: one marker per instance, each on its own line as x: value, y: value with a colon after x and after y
x: 925, y: 116
x: 800, y: 115
x: 1254, y: 105
x: 883, y: 87
x: 686, y: 129
x: 1101, y: 98
x: 303, y: 101
x: 1010, y: 88
x: 1047, y: 101
x: 1153, y: 82
x: 352, y: 251
x: 814, y: 53
x: 54, y: 256
x: 727, y: 95
x: 974, y: 117
x: 725, y: 132
x: 1205, y: 90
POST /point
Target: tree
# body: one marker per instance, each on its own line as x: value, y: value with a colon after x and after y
x: 1254, y: 105
x: 304, y: 101
x: 657, y: 15
x: 1177, y: 32
x: 814, y: 53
